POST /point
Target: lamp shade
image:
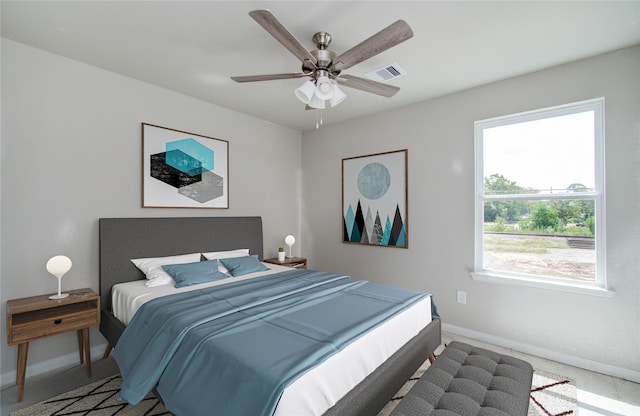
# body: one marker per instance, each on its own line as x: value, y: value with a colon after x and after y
x: 305, y: 91
x: 289, y: 240
x: 59, y: 265
x: 338, y: 95
x: 316, y: 102
x: 324, y: 88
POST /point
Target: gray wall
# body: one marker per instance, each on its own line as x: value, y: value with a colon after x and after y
x: 594, y: 332
x: 71, y: 153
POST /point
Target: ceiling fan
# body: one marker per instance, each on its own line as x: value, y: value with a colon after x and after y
x: 324, y: 67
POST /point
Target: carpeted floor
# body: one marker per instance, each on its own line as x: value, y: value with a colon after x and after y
x: 551, y: 395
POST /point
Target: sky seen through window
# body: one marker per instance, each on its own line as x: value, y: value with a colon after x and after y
x: 550, y: 153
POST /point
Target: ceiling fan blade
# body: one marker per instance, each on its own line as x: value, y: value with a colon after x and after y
x: 272, y: 25
x: 367, y: 85
x: 253, y: 78
x: 387, y: 38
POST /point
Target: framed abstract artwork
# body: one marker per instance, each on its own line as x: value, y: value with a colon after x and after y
x: 183, y: 170
x: 374, y: 199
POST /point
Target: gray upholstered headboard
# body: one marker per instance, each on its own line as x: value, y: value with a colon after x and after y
x: 123, y: 239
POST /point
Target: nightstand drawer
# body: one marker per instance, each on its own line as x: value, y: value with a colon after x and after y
x: 31, y: 325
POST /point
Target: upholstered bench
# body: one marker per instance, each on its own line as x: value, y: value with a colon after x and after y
x: 466, y: 380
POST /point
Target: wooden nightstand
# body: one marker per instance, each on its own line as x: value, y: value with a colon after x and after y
x: 295, y: 262
x: 38, y: 317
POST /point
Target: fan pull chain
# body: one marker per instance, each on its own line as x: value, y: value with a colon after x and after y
x: 318, y: 118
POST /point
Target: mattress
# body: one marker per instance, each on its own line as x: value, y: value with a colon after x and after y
x: 321, y: 387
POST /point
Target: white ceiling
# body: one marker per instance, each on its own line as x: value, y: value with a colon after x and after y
x: 195, y: 47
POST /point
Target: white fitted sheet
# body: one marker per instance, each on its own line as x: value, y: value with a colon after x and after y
x: 321, y: 387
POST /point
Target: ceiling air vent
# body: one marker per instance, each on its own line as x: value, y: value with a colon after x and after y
x: 386, y: 73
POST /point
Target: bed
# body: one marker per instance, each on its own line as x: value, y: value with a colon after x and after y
x: 122, y: 239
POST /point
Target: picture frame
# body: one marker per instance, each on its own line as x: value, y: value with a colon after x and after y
x: 183, y: 170
x: 375, y: 199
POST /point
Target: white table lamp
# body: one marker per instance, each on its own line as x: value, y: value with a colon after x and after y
x: 289, y: 240
x: 58, y: 266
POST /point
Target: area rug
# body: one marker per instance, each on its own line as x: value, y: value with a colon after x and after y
x: 551, y: 395
x: 95, y: 399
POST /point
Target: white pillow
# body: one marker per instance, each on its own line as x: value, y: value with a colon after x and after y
x: 152, y: 267
x: 240, y: 252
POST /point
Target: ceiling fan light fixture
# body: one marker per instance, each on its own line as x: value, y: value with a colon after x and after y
x: 306, y: 91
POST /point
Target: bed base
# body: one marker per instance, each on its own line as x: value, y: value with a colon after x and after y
x: 375, y: 391
x: 111, y: 329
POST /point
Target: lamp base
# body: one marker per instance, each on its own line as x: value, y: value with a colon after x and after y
x: 61, y: 296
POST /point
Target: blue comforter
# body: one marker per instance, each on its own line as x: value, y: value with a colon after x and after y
x: 233, y: 349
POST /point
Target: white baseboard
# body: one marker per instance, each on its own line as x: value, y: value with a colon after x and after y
x: 590, y: 365
x: 9, y: 378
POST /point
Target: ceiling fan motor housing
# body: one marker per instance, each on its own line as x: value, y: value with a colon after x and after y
x: 324, y: 59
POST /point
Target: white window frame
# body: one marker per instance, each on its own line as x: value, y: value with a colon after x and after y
x: 599, y: 287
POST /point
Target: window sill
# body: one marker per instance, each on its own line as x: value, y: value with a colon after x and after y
x: 582, y: 289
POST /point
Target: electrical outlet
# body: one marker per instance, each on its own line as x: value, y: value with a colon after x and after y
x: 461, y: 296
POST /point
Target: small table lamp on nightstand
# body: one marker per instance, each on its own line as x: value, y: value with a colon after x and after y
x: 289, y: 240
x: 58, y: 266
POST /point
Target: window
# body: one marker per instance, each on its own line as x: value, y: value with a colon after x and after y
x: 540, y: 198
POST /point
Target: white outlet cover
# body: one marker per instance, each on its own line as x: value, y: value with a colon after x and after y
x: 461, y: 296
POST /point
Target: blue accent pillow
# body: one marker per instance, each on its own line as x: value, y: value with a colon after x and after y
x: 188, y: 274
x: 243, y: 265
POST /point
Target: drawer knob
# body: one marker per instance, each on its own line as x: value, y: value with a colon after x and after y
x: 57, y: 321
